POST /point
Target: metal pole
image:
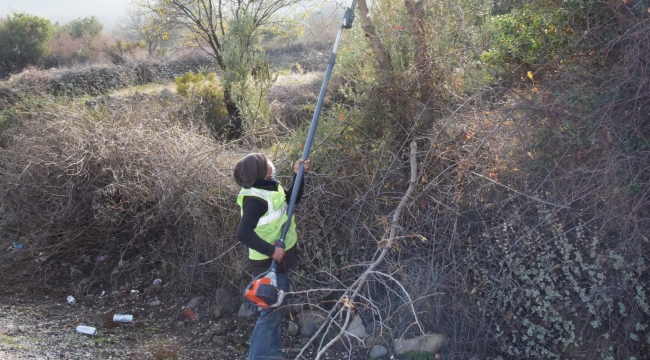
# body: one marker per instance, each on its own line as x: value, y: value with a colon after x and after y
x: 346, y: 23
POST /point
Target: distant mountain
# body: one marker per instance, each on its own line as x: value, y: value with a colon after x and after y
x: 109, y: 12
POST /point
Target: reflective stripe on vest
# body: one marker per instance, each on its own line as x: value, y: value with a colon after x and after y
x: 273, y: 213
x: 269, y: 226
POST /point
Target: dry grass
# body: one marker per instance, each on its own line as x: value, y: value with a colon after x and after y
x: 136, y: 181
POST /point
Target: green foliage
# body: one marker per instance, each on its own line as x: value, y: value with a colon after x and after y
x: 204, y: 88
x: 247, y: 75
x: 90, y: 26
x: 560, y: 288
x: 23, y: 40
x: 528, y: 38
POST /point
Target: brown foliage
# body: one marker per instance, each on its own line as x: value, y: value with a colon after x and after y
x: 134, y: 182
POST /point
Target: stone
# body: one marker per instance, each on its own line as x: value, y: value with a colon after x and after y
x: 293, y: 328
x: 155, y: 302
x: 310, y: 321
x: 309, y: 329
x: 378, y: 351
x: 195, y: 302
x: 247, y: 310
x: 429, y: 343
x: 225, y: 303
x: 180, y: 324
x: 165, y: 94
x: 219, y: 340
x: 357, y: 329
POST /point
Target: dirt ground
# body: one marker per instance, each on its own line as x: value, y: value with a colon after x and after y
x: 44, y: 327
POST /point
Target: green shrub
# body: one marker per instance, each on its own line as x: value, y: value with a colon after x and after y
x: 88, y: 25
x: 552, y: 289
x: 204, y: 88
x: 23, y: 40
x: 528, y: 38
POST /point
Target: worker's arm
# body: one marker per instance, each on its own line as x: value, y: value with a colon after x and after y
x: 253, y: 210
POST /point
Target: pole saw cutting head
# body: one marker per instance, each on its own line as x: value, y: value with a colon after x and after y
x: 264, y: 292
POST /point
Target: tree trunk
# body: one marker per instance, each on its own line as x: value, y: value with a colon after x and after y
x: 423, y: 61
x: 234, y: 113
x: 383, y: 57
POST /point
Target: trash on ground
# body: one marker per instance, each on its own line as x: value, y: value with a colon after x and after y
x: 190, y: 313
x: 135, y: 292
x: 89, y: 330
x: 19, y: 246
x: 102, y: 258
x: 157, y: 282
x: 71, y: 300
x: 123, y: 318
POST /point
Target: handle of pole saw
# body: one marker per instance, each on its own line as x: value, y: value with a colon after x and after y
x: 345, y: 24
x: 274, y: 263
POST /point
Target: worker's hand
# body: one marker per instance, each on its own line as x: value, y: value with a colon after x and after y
x: 296, y: 166
x: 278, y: 254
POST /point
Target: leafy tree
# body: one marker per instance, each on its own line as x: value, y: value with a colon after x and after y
x: 208, y: 24
x: 88, y: 25
x: 23, y: 40
x: 150, y: 26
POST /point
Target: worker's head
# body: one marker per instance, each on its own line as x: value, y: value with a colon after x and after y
x: 252, y: 168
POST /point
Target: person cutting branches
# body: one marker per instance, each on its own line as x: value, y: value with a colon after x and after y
x: 263, y: 202
x: 268, y: 229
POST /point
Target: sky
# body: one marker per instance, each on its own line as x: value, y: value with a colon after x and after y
x: 109, y: 12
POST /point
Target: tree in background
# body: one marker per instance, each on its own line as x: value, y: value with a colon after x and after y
x: 88, y: 25
x: 149, y: 25
x: 208, y: 23
x: 23, y: 40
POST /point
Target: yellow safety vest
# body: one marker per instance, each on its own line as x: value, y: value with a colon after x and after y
x: 269, y: 226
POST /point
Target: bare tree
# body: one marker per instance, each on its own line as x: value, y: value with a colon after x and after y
x: 208, y: 22
x: 150, y: 26
x: 423, y: 60
x: 383, y: 56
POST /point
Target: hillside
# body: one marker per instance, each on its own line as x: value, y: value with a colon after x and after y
x: 479, y: 184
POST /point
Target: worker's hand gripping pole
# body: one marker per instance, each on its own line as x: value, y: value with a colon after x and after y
x: 346, y: 23
x: 263, y: 290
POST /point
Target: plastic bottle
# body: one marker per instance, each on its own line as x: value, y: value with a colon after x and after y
x: 122, y: 318
x: 89, y: 330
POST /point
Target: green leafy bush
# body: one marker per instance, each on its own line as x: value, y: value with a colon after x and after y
x: 553, y: 288
x: 23, y: 40
x: 205, y: 90
x: 90, y: 26
x: 528, y: 38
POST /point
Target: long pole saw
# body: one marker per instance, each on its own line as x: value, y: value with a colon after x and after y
x: 263, y: 290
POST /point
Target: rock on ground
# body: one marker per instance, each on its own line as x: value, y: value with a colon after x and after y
x: 424, y: 343
x: 378, y: 351
x: 225, y: 303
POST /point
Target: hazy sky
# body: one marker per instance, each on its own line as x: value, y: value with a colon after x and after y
x: 108, y: 12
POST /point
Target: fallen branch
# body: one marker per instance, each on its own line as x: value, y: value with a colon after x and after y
x: 344, y: 301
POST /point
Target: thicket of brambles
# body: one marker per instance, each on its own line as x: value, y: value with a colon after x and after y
x: 525, y: 233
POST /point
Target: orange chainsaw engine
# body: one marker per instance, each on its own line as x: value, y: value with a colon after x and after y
x: 263, y: 291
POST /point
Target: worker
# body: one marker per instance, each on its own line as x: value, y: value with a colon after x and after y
x: 263, y: 202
